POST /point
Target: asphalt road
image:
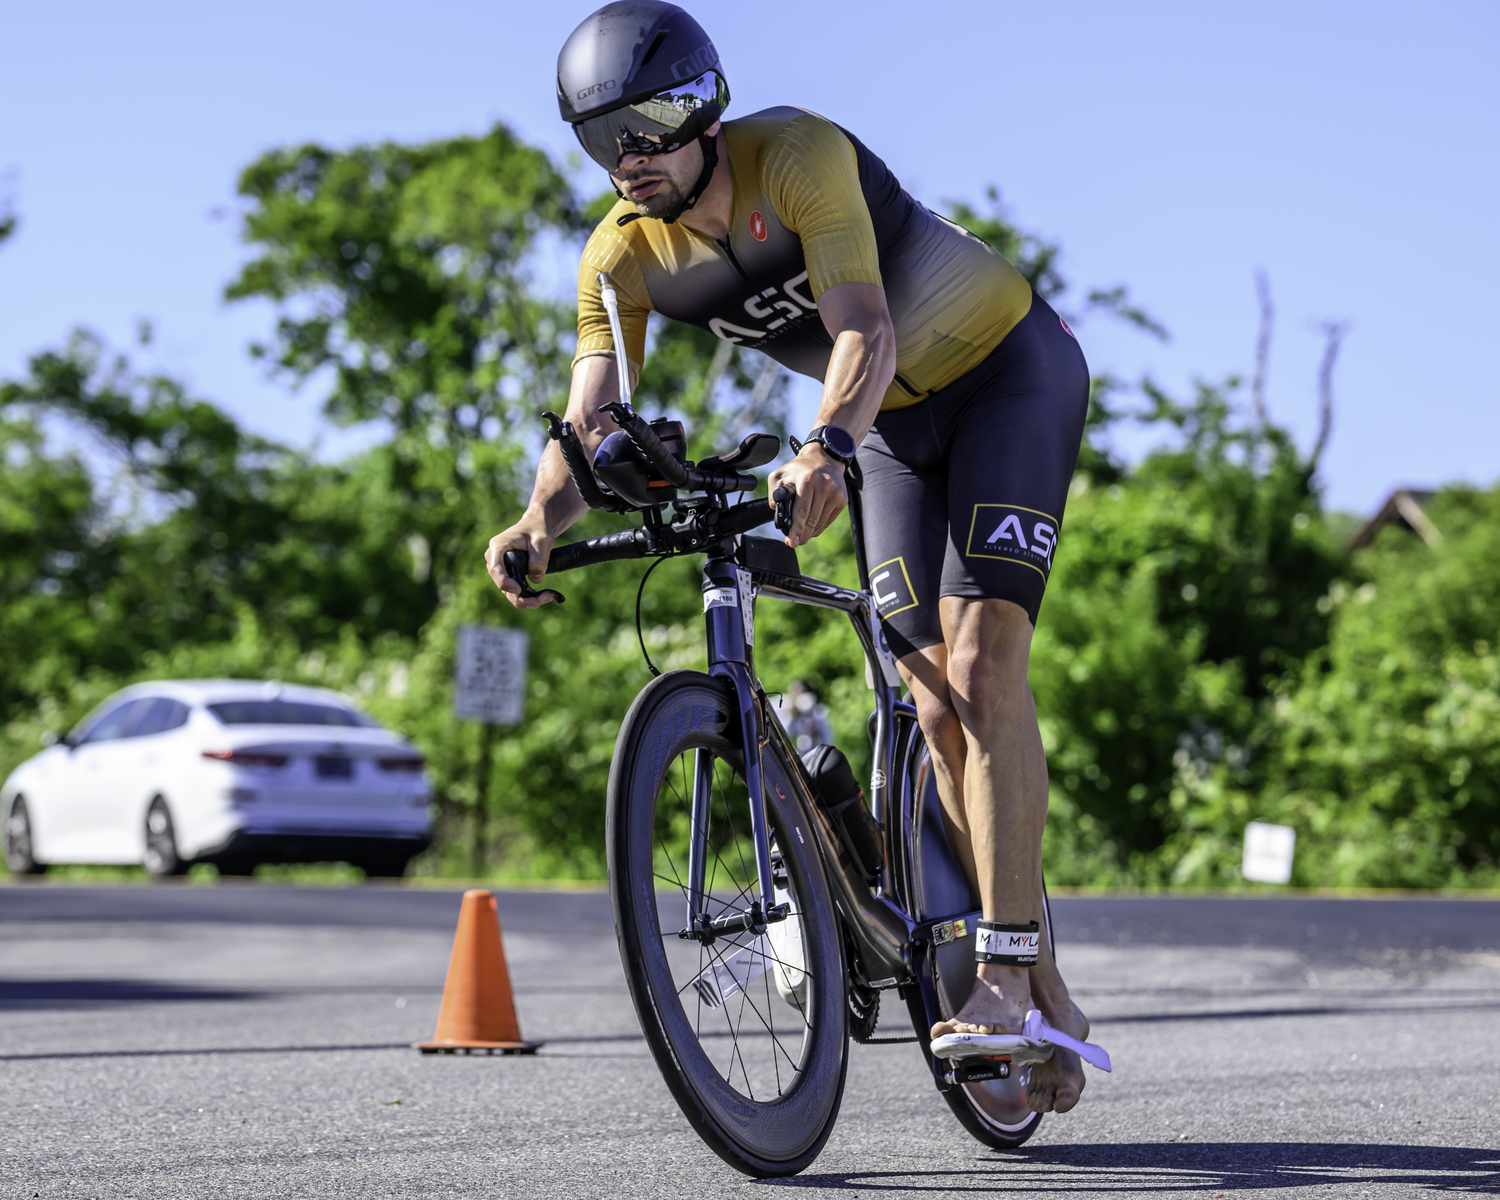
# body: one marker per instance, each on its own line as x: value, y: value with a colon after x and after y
x: 241, y: 1040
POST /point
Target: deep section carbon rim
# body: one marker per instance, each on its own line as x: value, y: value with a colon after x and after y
x: 748, y: 1027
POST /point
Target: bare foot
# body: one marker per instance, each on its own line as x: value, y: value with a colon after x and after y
x: 998, y: 1004
x: 1057, y: 1084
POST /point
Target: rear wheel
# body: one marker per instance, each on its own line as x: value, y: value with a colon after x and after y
x: 19, y: 855
x: 388, y: 864
x: 161, y: 858
x: 994, y: 1110
x: 749, y: 1029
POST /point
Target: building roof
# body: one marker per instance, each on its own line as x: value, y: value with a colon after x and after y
x: 1404, y: 507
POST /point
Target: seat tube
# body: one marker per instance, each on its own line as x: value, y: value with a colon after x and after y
x: 728, y: 611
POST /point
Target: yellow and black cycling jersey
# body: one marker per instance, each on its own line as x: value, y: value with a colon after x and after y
x: 812, y: 208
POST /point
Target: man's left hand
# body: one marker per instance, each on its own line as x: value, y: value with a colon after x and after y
x: 818, y: 479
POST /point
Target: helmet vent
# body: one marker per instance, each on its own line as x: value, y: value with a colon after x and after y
x: 654, y: 47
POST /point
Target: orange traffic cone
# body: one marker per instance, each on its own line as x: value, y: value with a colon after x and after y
x: 478, y: 1012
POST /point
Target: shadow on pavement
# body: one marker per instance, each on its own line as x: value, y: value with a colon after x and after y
x: 63, y: 1055
x: 1323, y: 1010
x: 1145, y: 1167
x: 20, y: 994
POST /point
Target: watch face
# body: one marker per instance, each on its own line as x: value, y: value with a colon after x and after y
x: 838, y: 442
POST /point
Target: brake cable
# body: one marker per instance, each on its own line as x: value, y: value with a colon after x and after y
x: 640, y: 636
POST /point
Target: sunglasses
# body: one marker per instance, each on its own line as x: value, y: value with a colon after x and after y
x: 659, y: 124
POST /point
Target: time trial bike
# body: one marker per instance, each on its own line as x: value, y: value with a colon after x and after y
x: 763, y: 903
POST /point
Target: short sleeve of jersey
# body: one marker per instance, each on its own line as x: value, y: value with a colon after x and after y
x: 609, y: 249
x: 811, y: 176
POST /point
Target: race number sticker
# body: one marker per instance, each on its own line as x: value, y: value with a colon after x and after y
x: 720, y: 598
x: 747, y: 604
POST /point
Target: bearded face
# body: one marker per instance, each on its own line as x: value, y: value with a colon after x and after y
x: 659, y: 185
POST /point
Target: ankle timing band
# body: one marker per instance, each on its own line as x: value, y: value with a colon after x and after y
x: 1009, y: 945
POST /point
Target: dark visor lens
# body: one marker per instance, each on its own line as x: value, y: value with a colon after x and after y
x: 667, y: 121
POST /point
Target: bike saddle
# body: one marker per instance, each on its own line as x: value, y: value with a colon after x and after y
x: 755, y: 451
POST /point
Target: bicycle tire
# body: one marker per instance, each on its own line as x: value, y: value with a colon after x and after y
x: 993, y: 1112
x: 760, y: 1134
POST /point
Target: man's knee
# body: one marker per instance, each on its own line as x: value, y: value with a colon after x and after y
x: 939, y: 721
x: 988, y: 654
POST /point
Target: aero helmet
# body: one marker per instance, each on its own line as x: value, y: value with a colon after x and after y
x: 641, y: 77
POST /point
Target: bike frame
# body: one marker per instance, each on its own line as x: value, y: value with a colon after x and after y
x: 896, y: 948
x: 893, y: 942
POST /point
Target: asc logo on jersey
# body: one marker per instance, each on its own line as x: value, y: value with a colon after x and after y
x: 772, y: 308
x: 1008, y: 531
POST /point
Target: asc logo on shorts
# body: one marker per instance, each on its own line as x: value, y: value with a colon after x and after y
x: 891, y: 587
x: 1007, y: 531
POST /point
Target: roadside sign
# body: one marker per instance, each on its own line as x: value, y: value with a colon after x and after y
x: 490, y: 674
x: 1268, y: 852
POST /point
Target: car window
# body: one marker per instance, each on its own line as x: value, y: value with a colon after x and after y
x: 116, y: 723
x: 161, y: 716
x: 288, y: 712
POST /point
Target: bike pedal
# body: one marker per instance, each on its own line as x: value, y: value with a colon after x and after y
x: 978, y: 1070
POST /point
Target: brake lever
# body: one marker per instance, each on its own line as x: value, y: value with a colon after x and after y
x: 784, y: 498
x: 515, y: 567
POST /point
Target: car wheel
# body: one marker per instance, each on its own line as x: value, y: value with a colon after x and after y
x: 162, y: 858
x: 387, y: 865
x: 18, y: 849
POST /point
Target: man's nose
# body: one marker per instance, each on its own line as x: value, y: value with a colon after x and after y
x: 630, y: 162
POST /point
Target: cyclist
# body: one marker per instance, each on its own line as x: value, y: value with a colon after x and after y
x: 964, y: 393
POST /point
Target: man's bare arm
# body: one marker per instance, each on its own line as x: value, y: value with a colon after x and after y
x: 555, y: 503
x: 860, y: 370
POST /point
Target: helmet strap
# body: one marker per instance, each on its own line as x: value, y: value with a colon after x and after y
x: 710, y: 148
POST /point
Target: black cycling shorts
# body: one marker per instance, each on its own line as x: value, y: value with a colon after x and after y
x: 964, y: 492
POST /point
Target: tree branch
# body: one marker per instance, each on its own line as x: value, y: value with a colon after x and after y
x: 1262, y: 348
x: 1333, y: 335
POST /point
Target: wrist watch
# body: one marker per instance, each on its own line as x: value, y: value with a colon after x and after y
x: 836, y: 440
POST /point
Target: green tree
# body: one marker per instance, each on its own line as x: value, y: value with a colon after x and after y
x: 1387, y: 751
x: 1183, y: 591
x: 235, y: 519
x: 56, y: 553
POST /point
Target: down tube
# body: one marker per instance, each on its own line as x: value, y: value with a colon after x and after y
x: 874, y: 921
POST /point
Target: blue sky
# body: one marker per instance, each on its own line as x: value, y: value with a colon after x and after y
x: 1349, y: 149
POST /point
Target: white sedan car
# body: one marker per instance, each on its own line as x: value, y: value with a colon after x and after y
x: 220, y: 771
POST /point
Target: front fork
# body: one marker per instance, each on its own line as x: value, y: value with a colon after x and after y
x: 728, y: 611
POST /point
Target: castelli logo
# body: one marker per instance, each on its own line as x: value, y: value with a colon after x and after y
x: 758, y: 226
x: 1067, y: 329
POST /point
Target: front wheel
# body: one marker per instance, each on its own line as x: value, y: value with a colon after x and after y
x: 749, y: 1029
x: 161, y: 858
x: 20, y: 854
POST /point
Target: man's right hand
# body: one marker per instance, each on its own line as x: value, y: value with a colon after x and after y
x: 533, y: 542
